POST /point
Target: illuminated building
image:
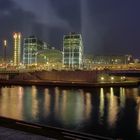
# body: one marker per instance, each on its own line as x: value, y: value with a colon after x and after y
x: 72, y: 50
x: 31, y: 48
x: 50, y: 55
x: 17, y: 48
x: 4, y: 50
x: 112, y: 59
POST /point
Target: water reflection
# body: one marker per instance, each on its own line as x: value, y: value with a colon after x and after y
x: 138, y: 110
x: 101, y: 106
x: 122, y: 97
x: 56, y: 104
x: 11, y: 103
x: 77, y: 109
x: 64, y: 105
x: 88, y: 105
x: 47, y: 102
x: 72, y: 106
x: 112, y: 108
x: 34, y: 101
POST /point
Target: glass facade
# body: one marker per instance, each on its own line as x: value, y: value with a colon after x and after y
x: 31, y: 48
x: 72, y: 50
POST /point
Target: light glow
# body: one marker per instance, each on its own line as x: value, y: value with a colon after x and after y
x: 102, y: 78
x: 17, y: 48
x: 112, y: 78
x: 15, y: 35
x: 5, y: 43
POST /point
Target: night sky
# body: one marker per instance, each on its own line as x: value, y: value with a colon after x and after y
x: 108, y: 27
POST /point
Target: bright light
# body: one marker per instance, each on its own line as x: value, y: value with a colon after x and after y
x: 112, y: 78
x: 123, y: 78
x: 15, y: 35
x: 102, y: 78
x: 19, y: 35
x: 5, y: 42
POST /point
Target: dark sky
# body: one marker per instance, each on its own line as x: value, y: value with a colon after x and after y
x: 108, y: 27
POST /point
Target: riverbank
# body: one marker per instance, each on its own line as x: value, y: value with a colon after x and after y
x: 67, y: 78
x: 12, y: 134
x: 69, y: 83
x: 44, y: 132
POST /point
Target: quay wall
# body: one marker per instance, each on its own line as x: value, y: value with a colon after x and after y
x: 85, y: 76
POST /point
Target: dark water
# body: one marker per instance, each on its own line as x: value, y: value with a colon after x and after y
x: 113, y: 112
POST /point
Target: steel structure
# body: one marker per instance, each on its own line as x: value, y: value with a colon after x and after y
x: 73, y: 50
x: 32, y: 45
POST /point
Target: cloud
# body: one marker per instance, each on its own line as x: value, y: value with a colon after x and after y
x: 107, y: 26
x: 70, y: 11
x: 111, y: 27
x: 53, y: 18
x: 14, y: 19
x: 13, y: 16
x: 44, y: 12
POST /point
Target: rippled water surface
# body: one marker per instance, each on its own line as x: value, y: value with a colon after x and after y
x: 113, y: 112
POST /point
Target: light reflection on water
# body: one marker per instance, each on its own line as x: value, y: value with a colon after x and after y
x: 11, y: 102
x: 47, y: 101
x: 138, y: 108
x: 112, y: 108
x: 34, y: 102
x: 122, y: 97
x: 102, y: 102
x: 88, y: 105
x: 79, y: 109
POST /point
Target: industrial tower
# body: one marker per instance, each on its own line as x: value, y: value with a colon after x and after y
x: 17, y: 48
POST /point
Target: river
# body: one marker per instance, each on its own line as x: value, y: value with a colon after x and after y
x: 111, y: 112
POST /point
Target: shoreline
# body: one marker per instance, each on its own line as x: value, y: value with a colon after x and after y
x: 69, y: 83
x: 49, y: 132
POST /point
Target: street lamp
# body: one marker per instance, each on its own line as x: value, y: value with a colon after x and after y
x: 4, y: 51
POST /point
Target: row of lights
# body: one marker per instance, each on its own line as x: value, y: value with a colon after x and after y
x: 112, y: 78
